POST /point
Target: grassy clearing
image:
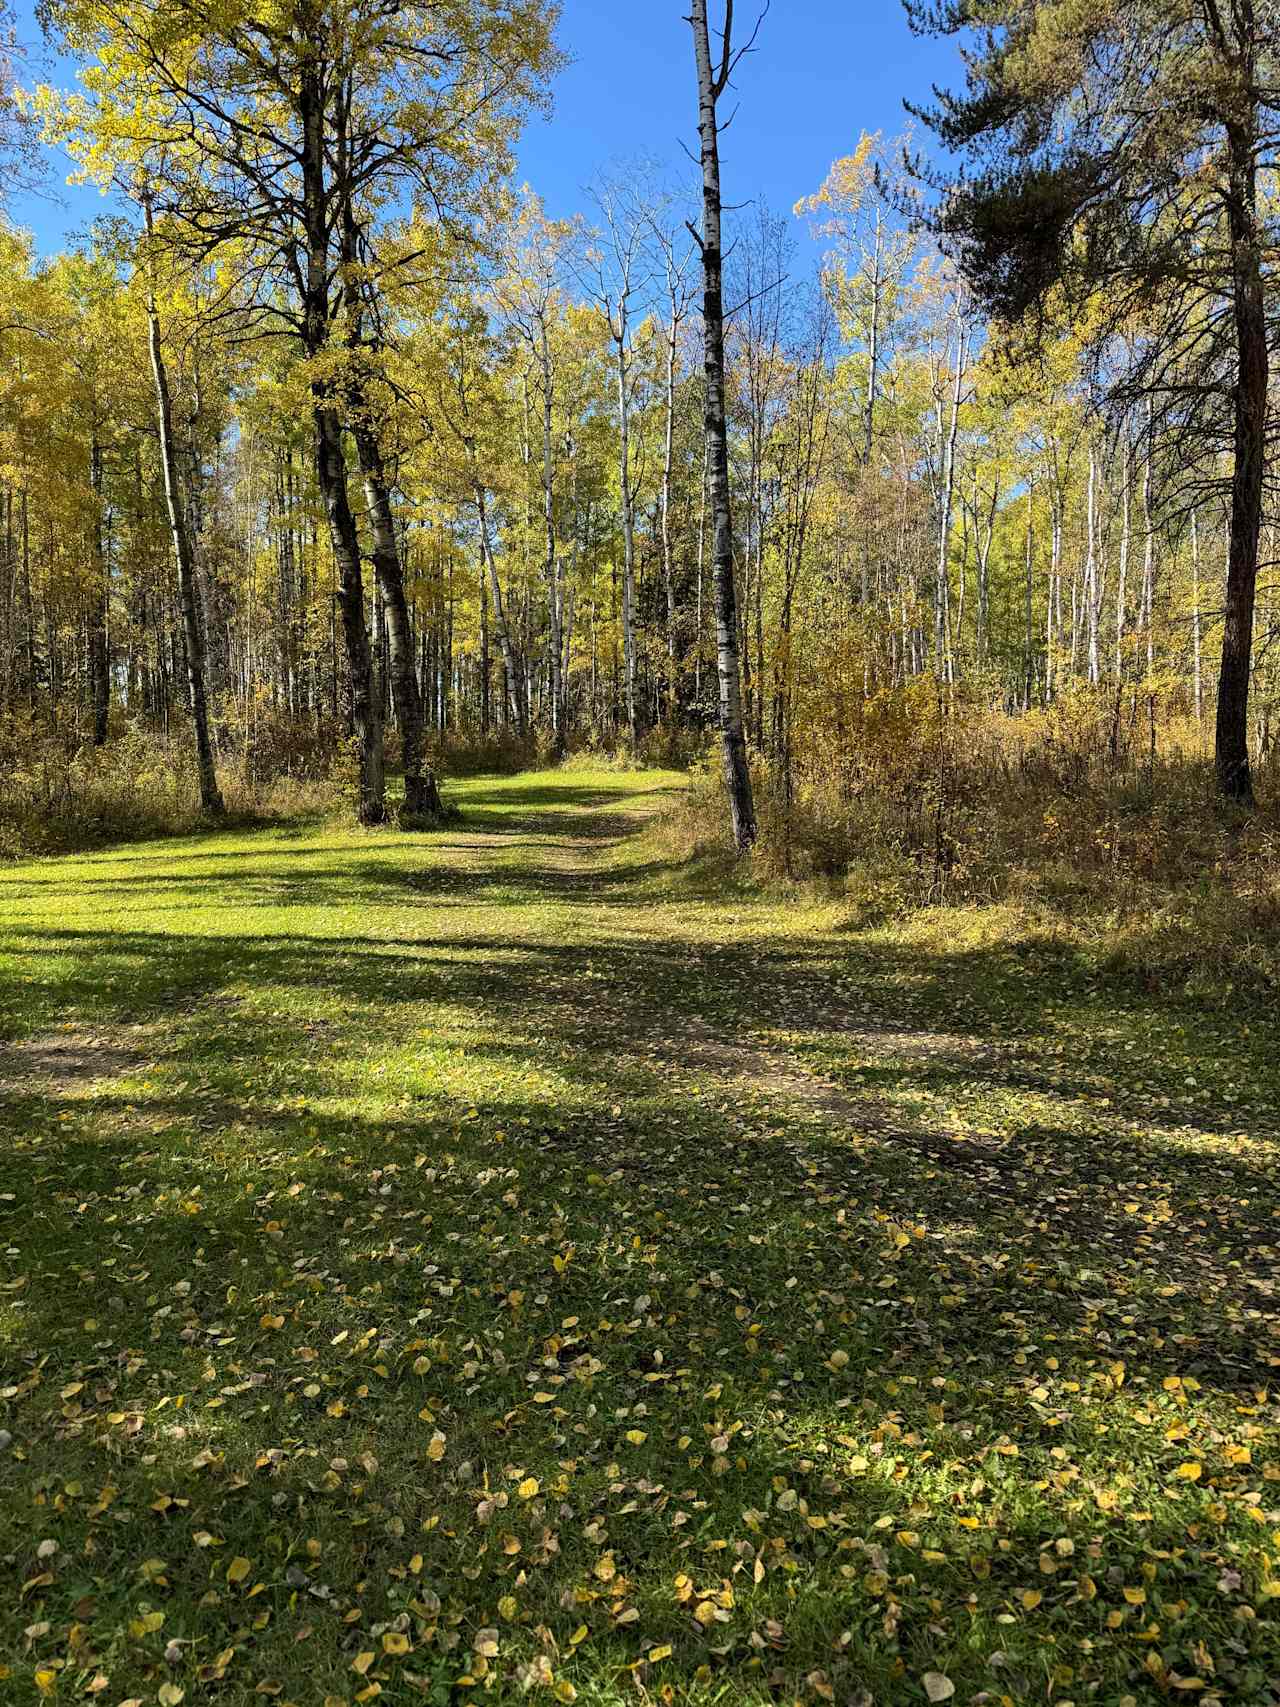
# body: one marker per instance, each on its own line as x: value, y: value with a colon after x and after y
x: 440, y: 1267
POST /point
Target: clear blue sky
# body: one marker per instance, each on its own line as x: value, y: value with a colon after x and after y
x: 824, y: 71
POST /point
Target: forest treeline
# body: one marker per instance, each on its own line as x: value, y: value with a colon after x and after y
x: 331, y: 442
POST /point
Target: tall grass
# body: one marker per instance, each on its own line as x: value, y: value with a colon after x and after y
x: 60, y: 795
x: 937, y: 814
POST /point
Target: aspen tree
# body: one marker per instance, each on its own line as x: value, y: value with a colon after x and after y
x: 289, y: 132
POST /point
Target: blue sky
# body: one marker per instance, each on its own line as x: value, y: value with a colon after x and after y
x: 824, y: 71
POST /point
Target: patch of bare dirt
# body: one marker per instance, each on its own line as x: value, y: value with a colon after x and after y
x: 756, y: 1069
x: 927, y: 1046
x: 69, y: 1060
x: 767, y: 1071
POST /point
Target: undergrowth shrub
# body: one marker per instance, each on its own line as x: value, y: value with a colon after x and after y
x: 1058, y: 815
x: 664, y: 747
x: 462, y: 754
x: 264, y: 743
x: 60, y: 795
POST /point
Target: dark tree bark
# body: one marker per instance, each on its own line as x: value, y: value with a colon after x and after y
x: 330, y: 461
x: 366, y: 714
x: 421, y: 793
x: 1231, y: 751
x: 99, y: 660
x: 192, y: 629
x: 711, y: 85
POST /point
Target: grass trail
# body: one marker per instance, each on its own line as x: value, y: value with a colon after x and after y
x: 449, y: 1267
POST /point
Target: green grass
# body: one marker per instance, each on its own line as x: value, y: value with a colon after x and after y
x: 440, y: 1266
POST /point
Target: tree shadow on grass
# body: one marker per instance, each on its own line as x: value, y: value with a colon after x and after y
x: 364, y: 1190
x: 552, y: 807
x: 287, y: 1271
x: 1200, y: 1222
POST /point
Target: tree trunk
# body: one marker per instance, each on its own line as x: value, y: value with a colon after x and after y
x: 1149, y: 594
x: 737, y: 773
x: 554, y: 612
x: 330, y: 462
x: 421, y: 793
x: 702, y: 564
x: 99, y: 661
x: 1093, y: 574
x: 1196, y: 647
x: 947, y: 479
x: 193, y: 632
x: 501, y: 623
x: 1028, y: 594
x: 1126, y: 529
x: 364, y: 706
x: 1235, y: 779
x: 628, y: 537
x: 873, y: 348
x: 668, y: 562
x: 366, y: 717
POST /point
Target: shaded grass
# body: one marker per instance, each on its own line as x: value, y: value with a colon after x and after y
x: 424, y: 1222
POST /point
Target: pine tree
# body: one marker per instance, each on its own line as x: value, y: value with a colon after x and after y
x: 1117, y: 150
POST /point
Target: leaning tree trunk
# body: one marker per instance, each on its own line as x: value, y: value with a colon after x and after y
x: 737, y: 773
x: 1235, y: 779
x: 421, y: 793
x: 192, y: 630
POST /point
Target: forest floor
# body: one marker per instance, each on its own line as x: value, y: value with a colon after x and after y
x: 444, y: 1267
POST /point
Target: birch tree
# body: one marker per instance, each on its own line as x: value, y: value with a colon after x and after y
x: 618, y: 275
x: 713, y: 79
x: 530, y: 297
x: 675, y: 266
